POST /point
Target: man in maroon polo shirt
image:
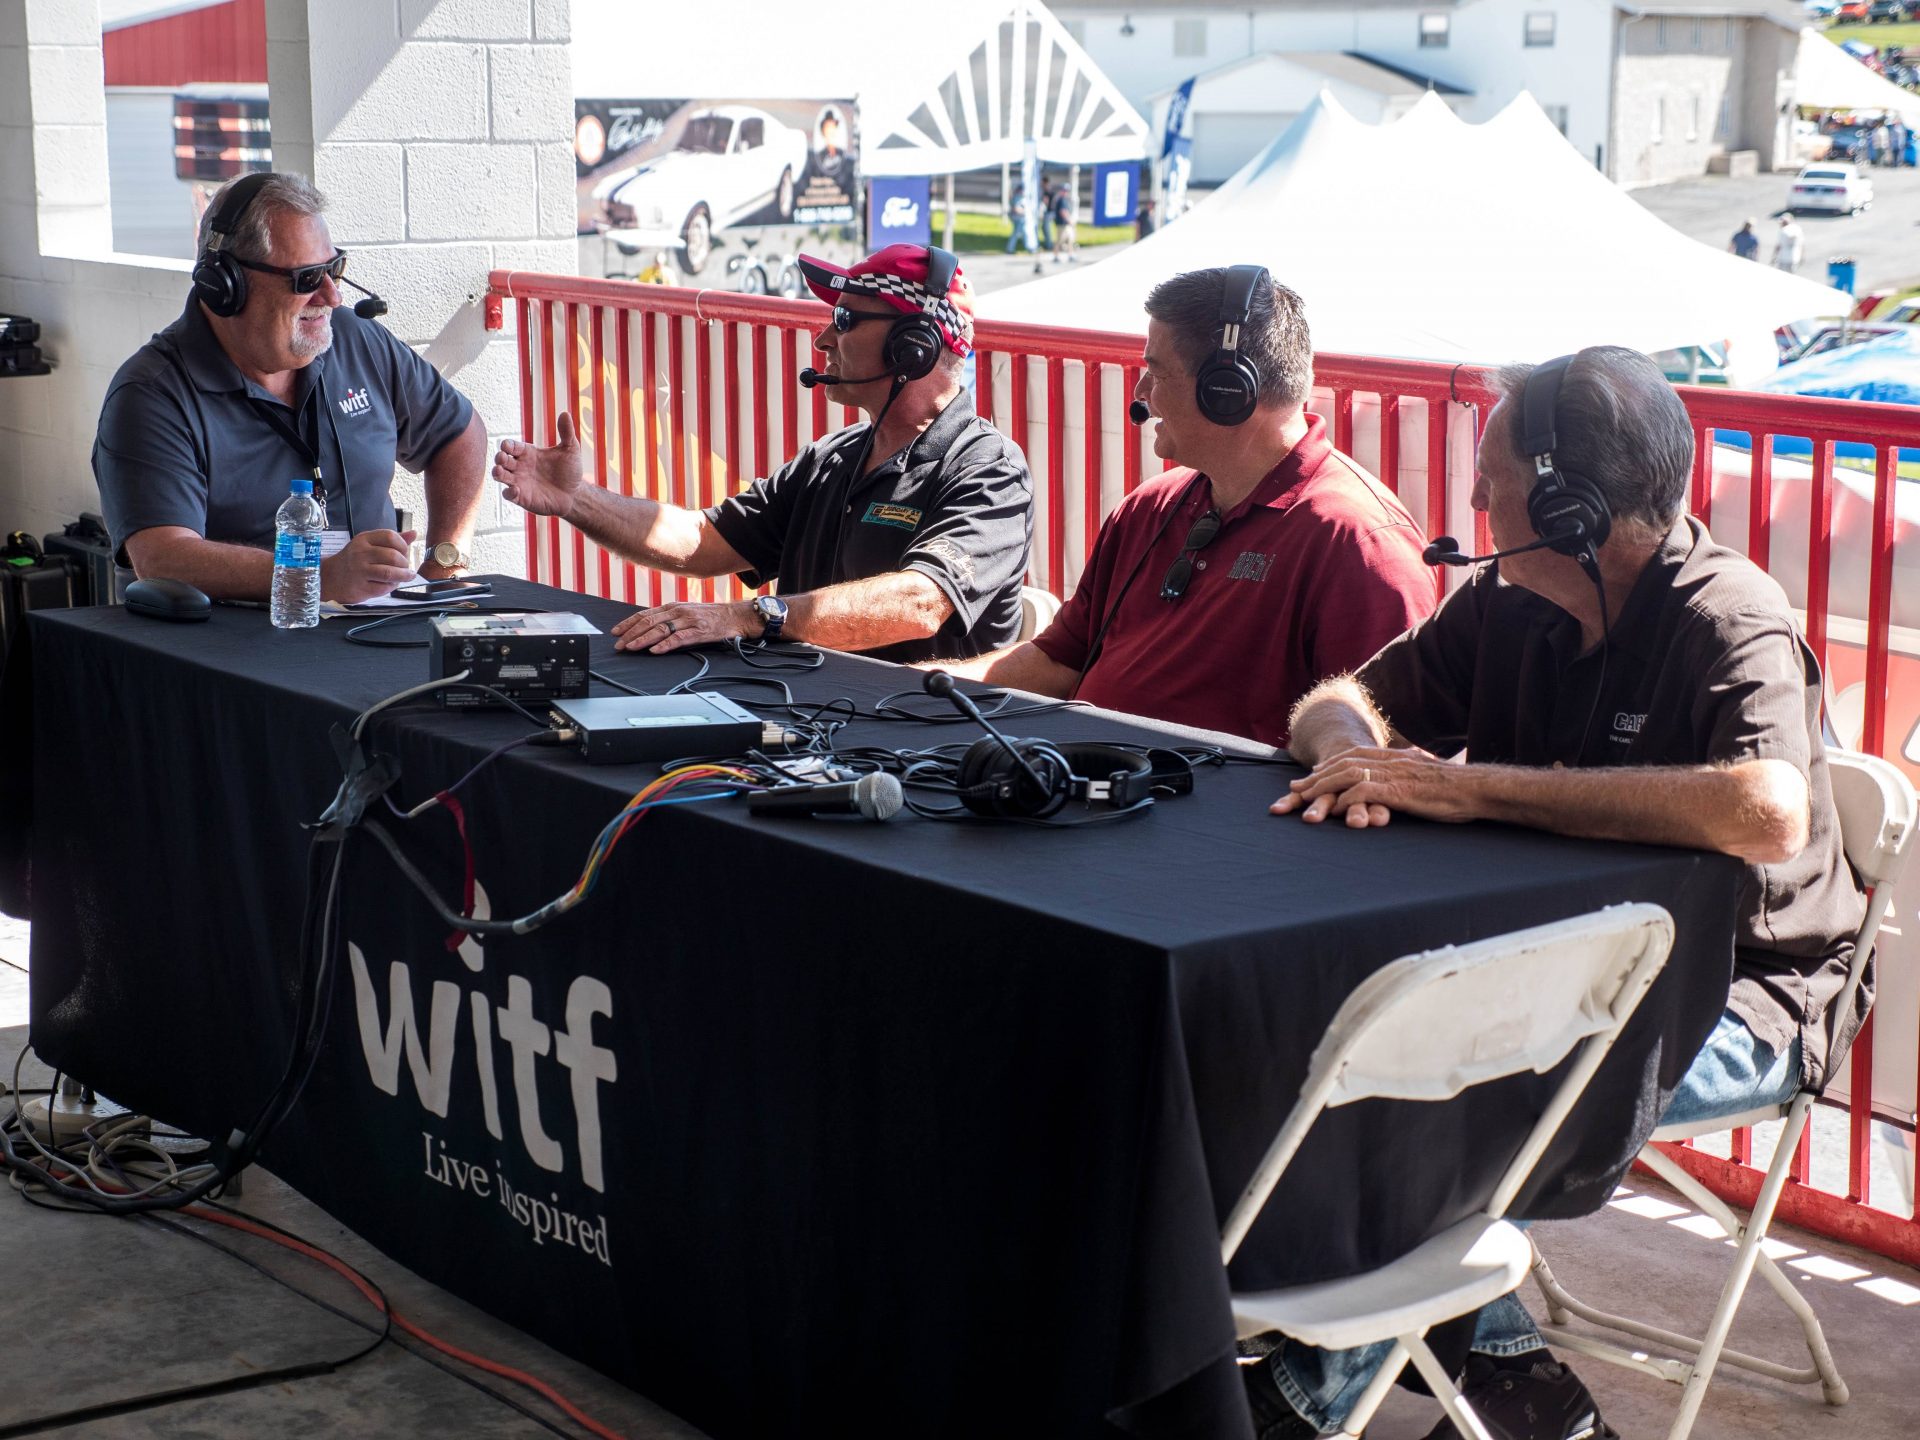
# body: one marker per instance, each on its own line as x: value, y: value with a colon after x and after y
x: 1220, y: 592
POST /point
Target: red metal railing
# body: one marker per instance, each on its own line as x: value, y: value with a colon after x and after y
x: 693, y: 421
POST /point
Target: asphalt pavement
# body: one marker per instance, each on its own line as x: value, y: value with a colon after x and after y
x: 1882, y: 240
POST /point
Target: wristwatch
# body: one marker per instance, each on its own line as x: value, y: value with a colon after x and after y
x: 449, y: 556
x: 772, y: 611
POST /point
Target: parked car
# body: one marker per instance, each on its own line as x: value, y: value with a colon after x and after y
x: 1894, y: 10
x: 731, y: 162
x: 1835, y: 188
x: 1820, y: 9
x: 1835, y: 335
x: 1854, y: 10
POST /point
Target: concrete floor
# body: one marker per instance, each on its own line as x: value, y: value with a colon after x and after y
x: 109, y: 1309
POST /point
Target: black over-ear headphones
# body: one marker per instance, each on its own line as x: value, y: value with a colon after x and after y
x: 1567, y: 510
x: 1228, y: 386
x: 914, y: 342
x: 999, y: 783
x: 220, y: 283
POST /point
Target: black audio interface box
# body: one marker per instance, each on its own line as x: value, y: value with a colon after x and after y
x: 527, y: 657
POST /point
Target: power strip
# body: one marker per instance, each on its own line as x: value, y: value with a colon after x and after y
x: 70, y: 1116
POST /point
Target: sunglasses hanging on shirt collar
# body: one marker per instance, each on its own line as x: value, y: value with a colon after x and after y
x: 1205, y: 530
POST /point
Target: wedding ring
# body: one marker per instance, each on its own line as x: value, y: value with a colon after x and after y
x: 669, y: 627
x: 1366, y: 775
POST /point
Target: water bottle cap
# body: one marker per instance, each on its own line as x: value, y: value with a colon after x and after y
x: 303, y: 487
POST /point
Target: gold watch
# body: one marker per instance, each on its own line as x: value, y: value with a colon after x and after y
x: 449, y: 556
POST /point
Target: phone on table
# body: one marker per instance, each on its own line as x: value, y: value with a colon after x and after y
x: 444, y: 590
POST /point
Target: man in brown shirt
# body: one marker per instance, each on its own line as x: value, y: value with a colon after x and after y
x: 1684, y: 712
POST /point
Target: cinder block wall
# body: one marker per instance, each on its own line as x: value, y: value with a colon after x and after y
x: 441, y: 132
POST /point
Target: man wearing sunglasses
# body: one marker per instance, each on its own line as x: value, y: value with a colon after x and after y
x: 1263, y: 563
x: 905, y: 538
x: 267, y: 377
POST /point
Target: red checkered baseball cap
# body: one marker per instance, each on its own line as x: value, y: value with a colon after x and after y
x: 898, y: 275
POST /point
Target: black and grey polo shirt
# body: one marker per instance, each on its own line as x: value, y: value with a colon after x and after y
x: 185, y: 439
x: 955, y: 505
x: 1704, y: 666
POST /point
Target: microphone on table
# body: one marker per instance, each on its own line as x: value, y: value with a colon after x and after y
x: 370, y: 308
x: 1138, y: 413
x: 939, y: 682
x: 811, y: 377
x: 1445, y: 550
x: 872, y: 797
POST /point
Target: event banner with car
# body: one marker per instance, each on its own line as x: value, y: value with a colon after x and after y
x: 673, y: 177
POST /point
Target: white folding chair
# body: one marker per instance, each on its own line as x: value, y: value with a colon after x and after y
x: 1426, y: 1028
x: 1876, y: 806
x: 1037, y: 609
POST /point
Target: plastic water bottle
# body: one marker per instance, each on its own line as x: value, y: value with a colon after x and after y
x: 296, y: 559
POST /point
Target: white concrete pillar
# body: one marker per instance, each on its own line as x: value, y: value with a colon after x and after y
x: 441, y: 132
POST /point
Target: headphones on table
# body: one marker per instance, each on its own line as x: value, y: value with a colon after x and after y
x: 1227, y: 387
x: 1034, y: 779
x: 1565, y: 508
x: 218, y: 279
x: 914, y: 342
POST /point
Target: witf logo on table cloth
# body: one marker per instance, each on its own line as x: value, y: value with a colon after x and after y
x: 356, y: 402
x: 903, y: 517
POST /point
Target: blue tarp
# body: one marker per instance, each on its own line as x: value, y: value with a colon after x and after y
x: 1885, y: 370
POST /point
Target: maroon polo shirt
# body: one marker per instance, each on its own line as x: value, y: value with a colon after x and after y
x: 1309, y: 576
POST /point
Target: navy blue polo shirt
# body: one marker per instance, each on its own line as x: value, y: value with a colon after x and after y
x: 185, y: 439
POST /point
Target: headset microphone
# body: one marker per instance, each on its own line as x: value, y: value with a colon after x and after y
x: 1138, y: 413
x: 1445, y: 550
x: 811, y: 377
x: 939, y: 682
x: 370, y: 308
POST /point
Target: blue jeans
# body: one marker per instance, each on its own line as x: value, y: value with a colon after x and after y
x: 1732, y: 1073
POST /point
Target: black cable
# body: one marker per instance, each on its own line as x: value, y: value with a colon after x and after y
x: 356, y: 634
x: 616, y: 684
x: 1592, y: 568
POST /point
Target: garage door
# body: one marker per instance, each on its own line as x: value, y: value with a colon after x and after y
x: 1224, y: 141
x: 152, y: 210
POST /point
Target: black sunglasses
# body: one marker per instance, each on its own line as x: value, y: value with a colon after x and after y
x: 845, y: 319
x: 1198, y: 538
x: 305, y: 279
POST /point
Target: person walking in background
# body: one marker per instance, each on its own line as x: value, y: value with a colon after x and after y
x: 1745, y: 243
x: 1789, y: 245
x: 1046, y: 212
x: 1017, y: 213
x: 1066, y: 225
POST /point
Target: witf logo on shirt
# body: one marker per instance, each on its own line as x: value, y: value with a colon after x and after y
x: 356, y: 402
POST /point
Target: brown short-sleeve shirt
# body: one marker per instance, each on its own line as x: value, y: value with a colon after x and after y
x: 1703, y: 666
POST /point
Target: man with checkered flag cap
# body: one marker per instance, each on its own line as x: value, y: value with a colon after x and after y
x: 905, y: 536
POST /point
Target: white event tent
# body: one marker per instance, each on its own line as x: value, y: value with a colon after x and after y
x: 1827, y: 78
x: 946, y: 88
x: 1431, y: 238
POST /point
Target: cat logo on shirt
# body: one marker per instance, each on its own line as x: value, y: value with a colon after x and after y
x: 903, y: 517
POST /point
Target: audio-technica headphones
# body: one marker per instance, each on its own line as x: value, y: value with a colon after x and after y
x: 914, y: 342
x: 993, y: 783
x: 218, y: 280
x: 1566, y: 509
x: 1228, y: 386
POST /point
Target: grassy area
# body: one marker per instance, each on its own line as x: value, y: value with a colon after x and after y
x: 976, y: 230
x: 1878, y: 36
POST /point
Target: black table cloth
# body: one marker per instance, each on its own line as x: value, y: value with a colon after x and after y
x: 797, y: 1126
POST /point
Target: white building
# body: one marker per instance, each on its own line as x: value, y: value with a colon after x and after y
x: 1648, y: 92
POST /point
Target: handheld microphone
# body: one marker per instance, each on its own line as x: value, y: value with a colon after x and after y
x: 1138, y: 413
x: 872, y: 797
x: 939, y: 682
x: 1445, y: 550
x: 811, y: 377
x: 370, y: 308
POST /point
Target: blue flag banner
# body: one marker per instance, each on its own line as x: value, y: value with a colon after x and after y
x: 1176, y: 117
